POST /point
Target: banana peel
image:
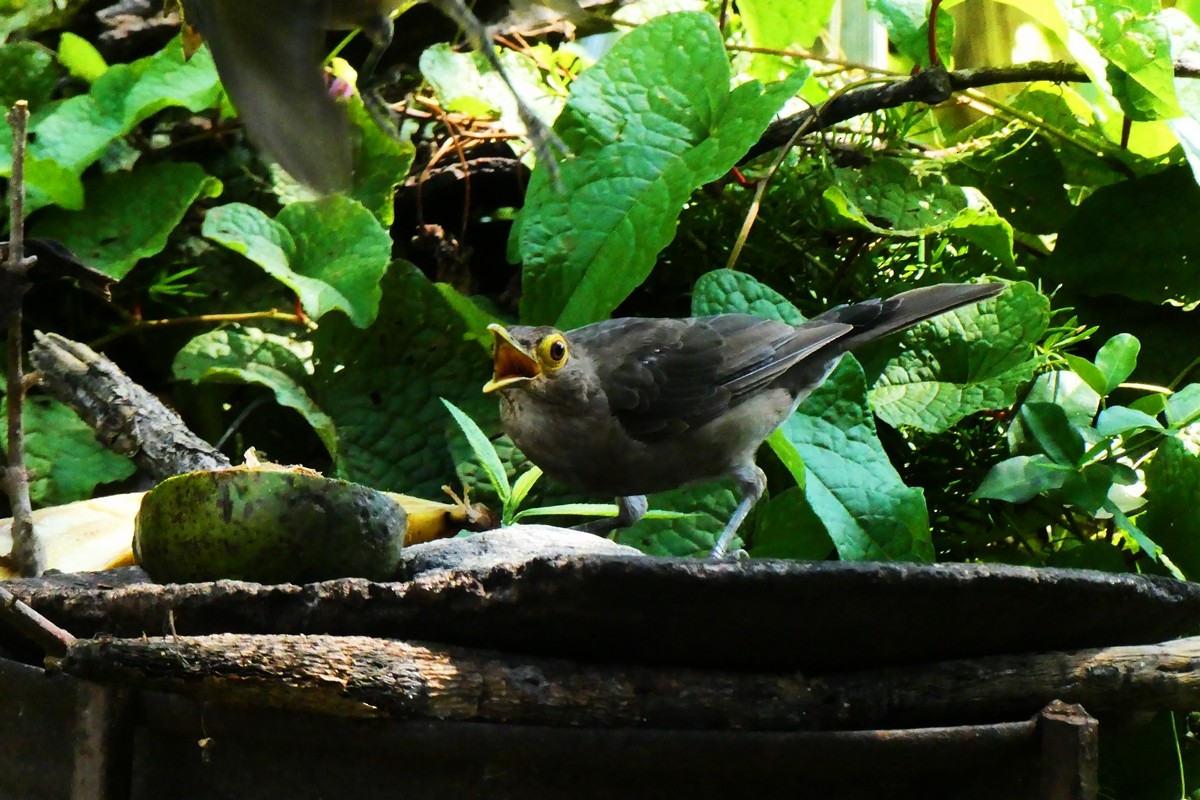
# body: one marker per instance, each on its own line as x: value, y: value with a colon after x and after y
x: 93, y: 535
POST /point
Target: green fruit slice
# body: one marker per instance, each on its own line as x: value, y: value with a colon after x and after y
x: 267, y: 526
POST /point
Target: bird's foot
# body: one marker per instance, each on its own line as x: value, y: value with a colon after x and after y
x: 720, y: 554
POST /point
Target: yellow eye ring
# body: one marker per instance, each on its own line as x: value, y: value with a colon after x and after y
x: 553, y: 351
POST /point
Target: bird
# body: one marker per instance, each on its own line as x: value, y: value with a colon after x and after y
x: 633, y: 406
x: 268, y: 55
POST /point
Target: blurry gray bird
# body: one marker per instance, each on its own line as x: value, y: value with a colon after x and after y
x: 629, y: 407
x: 268, y: 54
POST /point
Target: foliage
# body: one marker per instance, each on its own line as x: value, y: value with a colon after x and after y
x: 1056, y: 424
x: 1036, y: 191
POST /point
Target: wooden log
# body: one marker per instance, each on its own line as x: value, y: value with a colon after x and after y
x: 354, y: 676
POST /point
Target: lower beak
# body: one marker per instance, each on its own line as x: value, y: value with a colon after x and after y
x: 511, y: 363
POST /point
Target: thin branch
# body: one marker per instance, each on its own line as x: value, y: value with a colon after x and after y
x: 27, y: 557
x: 200, y: 319
x: 52, y: 639
x: 931, y: 87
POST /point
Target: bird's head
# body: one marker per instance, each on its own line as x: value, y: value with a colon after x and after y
x: 531, y: 357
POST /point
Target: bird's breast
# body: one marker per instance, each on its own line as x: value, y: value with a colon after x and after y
x: 591, y: 451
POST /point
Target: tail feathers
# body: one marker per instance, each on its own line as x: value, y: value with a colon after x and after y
x: 874, y: 319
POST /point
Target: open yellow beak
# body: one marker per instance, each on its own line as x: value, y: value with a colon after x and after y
x: 511, y: 363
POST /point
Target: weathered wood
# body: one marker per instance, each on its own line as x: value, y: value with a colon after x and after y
x: 355, y: 676
x: 127, y: 419
x: 1070, y: 752
x: 61, y: 737
x: 191, y: 750
x: 761, y: 616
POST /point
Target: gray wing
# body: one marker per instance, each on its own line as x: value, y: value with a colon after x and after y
x: 268, y: 54
x: 664, y: 376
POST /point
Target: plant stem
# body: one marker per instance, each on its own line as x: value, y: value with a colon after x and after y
x: 27, y: 557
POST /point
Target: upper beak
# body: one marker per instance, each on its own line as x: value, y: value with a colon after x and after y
x: 511, y: 363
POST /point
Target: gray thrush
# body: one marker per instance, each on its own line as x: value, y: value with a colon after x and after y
x: 630, y: 407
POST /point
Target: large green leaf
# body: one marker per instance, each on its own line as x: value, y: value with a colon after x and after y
x: 850, y: 485
x: 65, y: 461
x: 74, y: 133
x: 252, y: 356
x: 1125, y: 48
x: 647, y: 125
x: 890, y: 198
x: 1173, y: 486
x: 907, y: 23
x: 382, y: 386
x: 332, y: 252
x: 1101, y: 251
x: 128, y: 215
x: 781, y: 26
x: 972, y: 359
x: 867, y: 510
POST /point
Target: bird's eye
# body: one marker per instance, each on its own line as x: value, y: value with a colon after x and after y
x: 554, y: 350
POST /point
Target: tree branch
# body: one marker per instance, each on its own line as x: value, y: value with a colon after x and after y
x: 931, y: 86
x: 27, y: 557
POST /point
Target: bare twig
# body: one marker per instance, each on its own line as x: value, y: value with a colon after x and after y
x: 930, y: 86
x: 52, y: 639
x: 27, y: 557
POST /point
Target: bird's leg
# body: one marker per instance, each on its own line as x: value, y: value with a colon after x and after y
x: 379, y: 30
x: 545, y: 141
x: 629, y: 511
x: 753, y: 483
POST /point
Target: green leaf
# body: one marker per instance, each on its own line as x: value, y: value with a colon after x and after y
x: 867, y: 510
x: 382, y: 386
x: 522, y: 485
x: 727, y: 291
x: 1088, y: 488
x: 1021, y: 478
x: 890, y: 198
x: 80, y: 57
x: 26, y: 73
x: 1185, y: 40
x: 332, y: 252
x: 254, y: 357
x: 788, y: 455
x: 1120, y: 420
x: 1153, y: 404
x: 77, y: 131
x: 785, y: 526
x: 484, y: 452
x: 1053, y: 432
x: 647, y: 125
x: 907, y: 23
x: 972, y: 359
x: 1148, y: 545
x: 465, y: 82
x: 1183, y: 407
x: 128, y: 215
x: 781, y: 26
x: 849, y: 483
x: 1098, y: 246
x: 593, y: 510
x: 1125, y: 48
x: 1020, y: 173
x: 1065, y: 389
x: 381, y: 162
x: 1173, y: 486
x: 1089, y: 372
x: 705, y: 508
x: 65, y: 461
x: 1117, y: 358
